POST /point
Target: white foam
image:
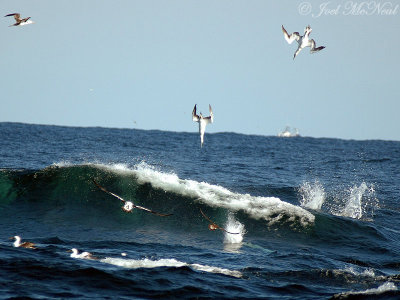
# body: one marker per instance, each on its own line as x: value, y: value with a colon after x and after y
x: 147, y: 263
x: 269, y: 208
x: 387, y: 286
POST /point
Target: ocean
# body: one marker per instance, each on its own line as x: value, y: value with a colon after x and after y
x: 297, y: 218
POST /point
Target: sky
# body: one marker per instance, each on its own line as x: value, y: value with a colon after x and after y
x: 145, y: 63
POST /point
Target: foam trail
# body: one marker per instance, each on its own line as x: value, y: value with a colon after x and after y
x: 147, y: 263
x: 386, y: 287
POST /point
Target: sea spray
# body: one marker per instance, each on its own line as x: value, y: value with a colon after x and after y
x: 237, y: 228
x: 312, y: 195
x: 361, y: 202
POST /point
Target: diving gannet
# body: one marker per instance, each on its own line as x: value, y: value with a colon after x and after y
x: 303, y: 41
x: 18, y: 243
x: 128, y: 205
x: 83, y: 255
x: 19, y: 21
x: 203, y: 121
x: 212, y: 226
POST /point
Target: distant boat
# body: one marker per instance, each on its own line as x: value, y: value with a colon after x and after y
x: 289, y: 132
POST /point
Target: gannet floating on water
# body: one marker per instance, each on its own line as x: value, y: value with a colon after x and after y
x: 203, y: 121
x: 212, y: 226
x: 129, y: 206
x: 18, y: 243
x: 83, y: 255
x: 303, y: 41
x: 19, y: 21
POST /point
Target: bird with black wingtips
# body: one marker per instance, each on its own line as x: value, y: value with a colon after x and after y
x: 128, y: 205
x: 19, y: 21
x: 303, y: 41
x: 203, y: 121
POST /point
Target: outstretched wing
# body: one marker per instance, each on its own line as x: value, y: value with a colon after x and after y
x: 195, y: 117
x: 135, y: 206
x: 313, y: 48
x: 219, y: 227
x: 209, y: 119
x: 295, y: 36
x: 17, y: 16
x: 104, y: 190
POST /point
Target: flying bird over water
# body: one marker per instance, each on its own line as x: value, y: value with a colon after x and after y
x: 212, y: 226
x: 19, y: 21
x: 203, y: 121
x: 303, y: 41
x: 18, y: 243
x: 128, y: 205
x: 83, y: 255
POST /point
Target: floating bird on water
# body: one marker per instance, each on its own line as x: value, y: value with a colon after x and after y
x: 18, y: 243
x: 203, y: 121
x: 212, y: 226
x: 303, y: 41
x: 19, y: 21
x: 129, y: 206
x: 83, y: 255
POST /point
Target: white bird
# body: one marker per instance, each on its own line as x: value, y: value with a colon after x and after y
x: 83, y: 255
x: 303, y: 41
x: 18, y: 243
x: 19, y: 21
x: 203, y: 121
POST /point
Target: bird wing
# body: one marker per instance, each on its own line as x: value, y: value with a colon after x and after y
x: 104, y: 190
x: 314, y: 49
x: 16, y: 16
x: 290, y: 38
x: 219, y: 227
x: 28, y: 245
x: 134, y: 206
x: 195, y: 117
x: 210, y: 119
x: 26, y: 19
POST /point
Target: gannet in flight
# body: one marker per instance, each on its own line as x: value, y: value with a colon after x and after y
x: 18, y: 243
x: 19, y: 21
x: 212, y: 226
x: 128, y: 205
x: 83, y: 255
x: 303, y: 41
x: 203, y: 121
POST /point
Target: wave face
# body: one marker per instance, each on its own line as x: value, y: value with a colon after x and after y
x: 70, y: 187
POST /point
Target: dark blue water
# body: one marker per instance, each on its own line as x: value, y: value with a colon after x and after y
x: 315, y: 218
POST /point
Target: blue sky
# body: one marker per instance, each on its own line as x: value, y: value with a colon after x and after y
x: 144, y: 64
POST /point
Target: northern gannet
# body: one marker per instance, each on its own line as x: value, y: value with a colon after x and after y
x: 303, y: 41
x: 203, y: 121
x: 18, y: 243
x: 83, y: 255
x: 212, y: 226
x: 128, y: 205
x: 19, y: 21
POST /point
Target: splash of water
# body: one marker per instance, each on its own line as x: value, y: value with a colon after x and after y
x: 234, y: 226
x: 312, y: 195
x: 361, y: 199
